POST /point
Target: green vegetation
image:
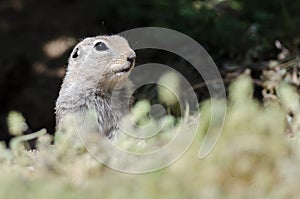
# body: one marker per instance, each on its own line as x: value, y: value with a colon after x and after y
x: 234, y: 29
x: 257, y: 156
x: 258, y: 152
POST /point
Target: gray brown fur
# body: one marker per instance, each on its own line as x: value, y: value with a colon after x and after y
x: 93, y: 83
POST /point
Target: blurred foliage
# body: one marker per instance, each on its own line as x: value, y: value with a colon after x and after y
x: 16, y: 123
x: 255, y: 157
x: 169, y: 88
x: 236, y: 29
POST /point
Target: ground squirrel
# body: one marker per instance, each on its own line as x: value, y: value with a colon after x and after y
x: 98, y: 68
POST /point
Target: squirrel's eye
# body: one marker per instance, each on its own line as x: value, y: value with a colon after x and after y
x: 75, y: 53
x: 100, y: 46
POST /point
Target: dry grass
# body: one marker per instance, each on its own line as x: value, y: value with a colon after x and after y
x: 257, y: 156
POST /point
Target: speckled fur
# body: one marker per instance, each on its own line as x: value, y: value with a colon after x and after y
x: 91, y: 81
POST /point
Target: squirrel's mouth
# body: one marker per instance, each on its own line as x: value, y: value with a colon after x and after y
x: 125, y: 69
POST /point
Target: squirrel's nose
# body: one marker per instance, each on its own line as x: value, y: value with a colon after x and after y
x: 131, y: 58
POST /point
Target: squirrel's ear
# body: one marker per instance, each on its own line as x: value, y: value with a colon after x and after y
x: 75, y: 54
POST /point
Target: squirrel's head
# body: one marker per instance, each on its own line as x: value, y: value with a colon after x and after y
x: 106, y: 60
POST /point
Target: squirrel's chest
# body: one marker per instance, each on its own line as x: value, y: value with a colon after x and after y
x: 108, y: 112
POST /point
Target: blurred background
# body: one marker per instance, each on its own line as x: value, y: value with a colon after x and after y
x: 36, y: 38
